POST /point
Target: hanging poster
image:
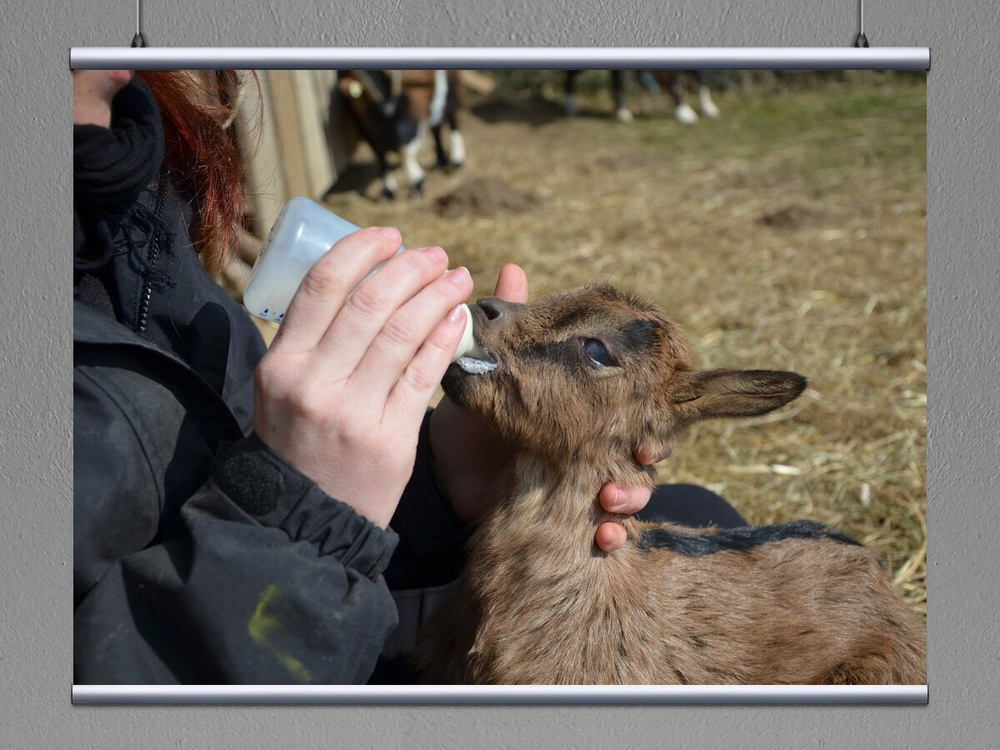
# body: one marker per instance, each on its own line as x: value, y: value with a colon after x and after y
x: 711, y: 283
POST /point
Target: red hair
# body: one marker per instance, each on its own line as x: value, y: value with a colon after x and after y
x: 197, y: 109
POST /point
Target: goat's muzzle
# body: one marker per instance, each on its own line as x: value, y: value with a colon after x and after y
x: 470, y: 365
x: 492, y: 310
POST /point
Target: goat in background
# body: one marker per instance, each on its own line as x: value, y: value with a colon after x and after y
x: 653, y: 81
x: 575, y: 383
x: 394, y: 109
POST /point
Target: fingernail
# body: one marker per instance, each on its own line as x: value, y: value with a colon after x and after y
x: 616, y: 501
x: 456, y: 315
x: 390, y: 233
x: 459, y: 276
x: 437, y: 254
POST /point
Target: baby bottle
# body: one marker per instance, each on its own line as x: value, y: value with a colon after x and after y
x: 303, y: 232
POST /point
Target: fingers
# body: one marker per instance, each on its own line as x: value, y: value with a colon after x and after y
x: 610, y: 536
x: 424, y: 372
x: 512, y: 284
x: 624, y: 499
x: 323, y: 291
x: 616, y: 498
x: 415, y: 388
x: 415, y: 346
x: 648, y: 456
x: 371, y: 312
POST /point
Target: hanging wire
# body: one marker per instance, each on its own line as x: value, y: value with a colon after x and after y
x: 861, y: 40
x: 138, y: 40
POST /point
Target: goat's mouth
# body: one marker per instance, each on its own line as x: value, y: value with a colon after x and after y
x: 478, y: 365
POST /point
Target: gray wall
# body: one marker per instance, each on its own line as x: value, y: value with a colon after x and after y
x: 35, y: 345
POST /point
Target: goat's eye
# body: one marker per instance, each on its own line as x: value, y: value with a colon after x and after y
x: 597, y: 352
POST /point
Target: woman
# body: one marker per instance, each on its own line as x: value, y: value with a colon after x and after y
x: 241, y: 514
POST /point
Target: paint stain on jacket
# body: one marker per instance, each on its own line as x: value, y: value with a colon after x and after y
x: 264, y: 626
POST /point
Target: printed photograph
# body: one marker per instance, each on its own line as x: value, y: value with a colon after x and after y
x: 486, y: 377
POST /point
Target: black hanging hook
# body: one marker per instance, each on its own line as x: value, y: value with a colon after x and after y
x: 138, y: 40
x: 861, y: 40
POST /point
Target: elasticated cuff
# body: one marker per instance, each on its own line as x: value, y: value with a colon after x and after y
x: 276, y: 494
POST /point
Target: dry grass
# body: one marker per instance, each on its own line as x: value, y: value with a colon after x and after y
x: 790, y: 233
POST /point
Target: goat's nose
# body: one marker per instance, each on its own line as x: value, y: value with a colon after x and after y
x: 492, y: 307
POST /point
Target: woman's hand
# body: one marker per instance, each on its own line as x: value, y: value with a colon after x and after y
x: 469, y: 456
x: 617, y: 498
x: 93, y: 91
x: 343, y: 389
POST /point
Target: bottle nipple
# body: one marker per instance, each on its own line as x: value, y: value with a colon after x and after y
x: 468, y: 347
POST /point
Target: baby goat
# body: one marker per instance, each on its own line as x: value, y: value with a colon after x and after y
x: 576, y: 382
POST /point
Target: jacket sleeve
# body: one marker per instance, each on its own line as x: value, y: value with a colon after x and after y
x: 267, y: 580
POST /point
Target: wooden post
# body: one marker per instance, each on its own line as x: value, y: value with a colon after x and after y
x: 258, y: 142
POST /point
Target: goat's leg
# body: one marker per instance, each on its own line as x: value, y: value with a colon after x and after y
x: 456, y: 145
x: 456, y: 150
x: 389, y: 186
x: 648, y: 81
x: 622, y: 112
x: 683, y: 112
x: 440, y: 155
x: 414, y: 173
x: 706, y: 104
x: 457, y: 155
x: 453, y: 157
x: 572, y: 108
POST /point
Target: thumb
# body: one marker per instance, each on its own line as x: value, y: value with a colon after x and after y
x: 512, y: 284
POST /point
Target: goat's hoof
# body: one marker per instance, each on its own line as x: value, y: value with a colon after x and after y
x: 417, y: 189
x: 623, y: 114
x: 387, y: 196
x: 456, y: 165
x: 708, y: 109
x: 686, y: 115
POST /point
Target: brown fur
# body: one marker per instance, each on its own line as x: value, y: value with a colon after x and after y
x: 538, y: 603
x: 419, y: 86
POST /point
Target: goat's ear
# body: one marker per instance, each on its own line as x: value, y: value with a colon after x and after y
x: 709, y: 394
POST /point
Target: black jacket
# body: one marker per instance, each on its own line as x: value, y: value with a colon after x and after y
x: 200, y: 556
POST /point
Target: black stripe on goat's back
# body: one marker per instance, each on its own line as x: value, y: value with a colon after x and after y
x: 740, y: 539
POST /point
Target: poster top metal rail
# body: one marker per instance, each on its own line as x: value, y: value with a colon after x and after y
x: 502, y: 58
x: 900, y: 695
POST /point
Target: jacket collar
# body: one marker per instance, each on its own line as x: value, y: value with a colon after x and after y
x: 91, y: 326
